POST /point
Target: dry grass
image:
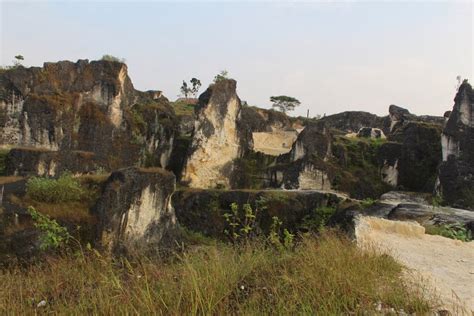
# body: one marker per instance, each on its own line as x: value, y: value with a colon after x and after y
x: 323, y: 276
x: 11, y: 179
x: 73, y: 212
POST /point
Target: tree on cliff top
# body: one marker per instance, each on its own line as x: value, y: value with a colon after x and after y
x: 107, y: 57
x: 224, y: 74
x: 284, y: 103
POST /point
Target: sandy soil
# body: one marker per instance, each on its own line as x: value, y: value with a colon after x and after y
x: 446, y: 264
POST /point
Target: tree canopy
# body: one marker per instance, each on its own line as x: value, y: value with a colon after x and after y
x: 284, y: 103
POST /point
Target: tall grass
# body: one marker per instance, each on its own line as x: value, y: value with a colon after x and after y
x: 328, y: 275
x: 64, y: 189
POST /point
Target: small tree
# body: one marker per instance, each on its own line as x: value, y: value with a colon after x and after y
x: 185, y: 90
x: 284, y: 103
x: 196, y: 86
x: 224, y: 74
x: 18, y: 60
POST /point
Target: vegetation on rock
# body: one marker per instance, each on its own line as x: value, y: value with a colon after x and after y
x: 64, y: 189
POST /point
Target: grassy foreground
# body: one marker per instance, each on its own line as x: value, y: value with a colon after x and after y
x: 325, y: 275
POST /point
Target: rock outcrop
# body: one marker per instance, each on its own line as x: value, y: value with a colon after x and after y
x: 135, y: 207
x: 216, y: 140
x: 203, y: 210
x: 418, y: 155
x: 353, y: 121
x: 85, y: 106
x: 456, y: 173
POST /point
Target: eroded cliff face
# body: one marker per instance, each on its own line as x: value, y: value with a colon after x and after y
x: 456, y: 173
x: 135, y: 207
x: 85, y: 106
x: 216, y: 140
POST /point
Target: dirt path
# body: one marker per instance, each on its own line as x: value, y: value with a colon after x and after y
x: 447, y: 264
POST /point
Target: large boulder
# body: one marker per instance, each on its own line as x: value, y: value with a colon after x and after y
x: 420, y: 155
x: 85, y: 106
x: 456, y: 173
x: 135, y: 207
x: 216, y: 140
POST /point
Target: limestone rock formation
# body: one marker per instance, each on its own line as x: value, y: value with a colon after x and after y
x: 456, y: 174
x: 216, y: 140
x: 135, y: 207
x: 85, y: 106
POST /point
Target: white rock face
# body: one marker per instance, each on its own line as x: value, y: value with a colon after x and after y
x: 215, y: 140
x: 390, y: 173
x: 450, y: 146
x: 46, y: 168
x: 466, y: 112
x: 313, y: 179
x: 11, y: 111
x: 274, y: 143
x: 135, y: 207
x: 299, y: 151
x: 146, y: 211
x: 115, y: 110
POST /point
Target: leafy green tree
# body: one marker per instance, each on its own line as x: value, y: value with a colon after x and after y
x: 196, y: 86
x: 284, y: 103
x: 185, y: 90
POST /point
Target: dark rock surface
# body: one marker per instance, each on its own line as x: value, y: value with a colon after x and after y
x: 420, y: 155
x: 135, y: 207
x: 353, y: 121
x: 203, y: 210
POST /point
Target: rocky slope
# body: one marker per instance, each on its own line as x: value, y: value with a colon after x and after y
x: 85, y: 107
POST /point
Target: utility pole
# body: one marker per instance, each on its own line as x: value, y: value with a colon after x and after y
x: 307, y: 114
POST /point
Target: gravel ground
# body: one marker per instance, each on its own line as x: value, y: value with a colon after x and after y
x: 446, y: 264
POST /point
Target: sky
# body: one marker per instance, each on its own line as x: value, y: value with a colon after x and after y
x: 332, y: 56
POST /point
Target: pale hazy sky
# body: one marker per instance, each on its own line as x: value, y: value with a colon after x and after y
x: 333, y: 56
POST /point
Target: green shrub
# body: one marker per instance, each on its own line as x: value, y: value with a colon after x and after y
x: 453, y: 231
x: 53, y: 235
x: 367, y: 202
x: 280, y: 239
x: 107, y: 57
x: 64, y: 189
x: 240, y: 227
x: 318, y: 218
